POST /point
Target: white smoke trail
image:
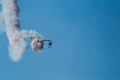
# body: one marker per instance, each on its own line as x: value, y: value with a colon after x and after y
x: 17, y: 45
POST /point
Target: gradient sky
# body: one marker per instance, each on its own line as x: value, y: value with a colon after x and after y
x: 86, y: 41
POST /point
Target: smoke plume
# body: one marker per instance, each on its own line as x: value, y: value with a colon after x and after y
x: 9, y: 17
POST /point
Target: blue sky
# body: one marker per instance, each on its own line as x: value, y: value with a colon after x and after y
x: 86, y: 41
